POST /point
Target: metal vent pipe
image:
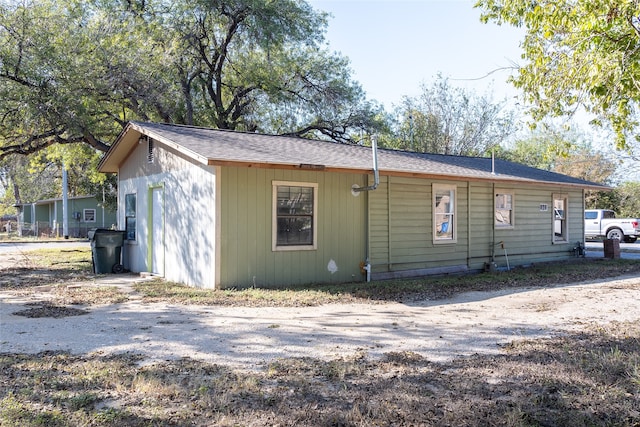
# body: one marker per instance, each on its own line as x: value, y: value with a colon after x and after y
x: 376, y: 174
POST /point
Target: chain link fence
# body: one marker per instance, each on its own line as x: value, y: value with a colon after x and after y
x: 42, y: 230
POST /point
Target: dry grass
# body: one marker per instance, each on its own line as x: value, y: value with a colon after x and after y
x: 58, y: 271
x: 61, y: 276
x: 162, y: 291
x: 406, y: 291
x: 590, y: 378
x: 45, y: 267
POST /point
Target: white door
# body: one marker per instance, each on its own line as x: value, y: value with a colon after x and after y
x: 157, y: 231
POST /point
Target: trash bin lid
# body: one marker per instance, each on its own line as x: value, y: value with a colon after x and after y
x: 104, y: 237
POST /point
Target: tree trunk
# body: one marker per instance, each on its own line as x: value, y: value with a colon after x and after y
x: 16, y: 189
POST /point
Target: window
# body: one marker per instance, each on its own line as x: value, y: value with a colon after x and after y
x: 591, y: 215
x: 504, y: 210
x: 89, y: 215
x: 130, y: 216
x: 294, y: 216
x: 560, y: 229
x: 444, y: 213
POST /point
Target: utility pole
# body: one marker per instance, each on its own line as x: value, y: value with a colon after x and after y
x: 65, y: 203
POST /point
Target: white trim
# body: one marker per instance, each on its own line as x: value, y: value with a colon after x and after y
x: 512, y: 225
x: 156, y: 237
x: 435, y: 188
x: 84, y: 214
x: 274, y: 216
x: 565, y: 232
x: 217, y: 176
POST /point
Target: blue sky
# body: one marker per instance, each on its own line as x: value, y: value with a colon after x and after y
x: 394, y: 46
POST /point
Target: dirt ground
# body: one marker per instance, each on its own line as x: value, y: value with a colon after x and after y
x: 251, y: 337
x: 76, y: 349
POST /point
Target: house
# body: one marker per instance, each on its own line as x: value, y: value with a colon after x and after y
x: 217, y: 208
x: 44, y: 217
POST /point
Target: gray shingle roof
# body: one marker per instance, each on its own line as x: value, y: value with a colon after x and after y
x: 230, y: 146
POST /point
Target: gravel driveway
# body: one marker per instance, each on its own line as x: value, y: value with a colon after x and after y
x: 476, y: 322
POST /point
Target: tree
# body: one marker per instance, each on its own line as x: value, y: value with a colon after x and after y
x: 74, y: 71
x: 26, y: 179
x: 261, y: 66
x: 627, y: 200
x: 564, y: 151
x: 449, y: 120
x: 578, y: 53
x: 54, y: 86
x: 23, y: 184
x: 569, y: 153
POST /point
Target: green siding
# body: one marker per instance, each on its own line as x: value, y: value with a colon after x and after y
x: 401, y: 215
x: 79, y: 205
x: 43, y: 213
x: 401, y: 226
x: 246, y: 256
x: 379, y: 224
x: 531, y: 238
x: 51, y: 211
x: 480, y: 225
x: 399, y: 223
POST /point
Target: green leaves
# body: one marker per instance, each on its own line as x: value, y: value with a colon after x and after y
x: 448, y: 120
x: 578, y: 53
x: 562, y: 151
x: 75, y: 71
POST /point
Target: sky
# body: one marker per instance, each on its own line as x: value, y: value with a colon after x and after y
x: 396, y: 45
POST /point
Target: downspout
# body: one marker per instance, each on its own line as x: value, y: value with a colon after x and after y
x: 469, y: 240
x: 492, y: 264
x: 356, y: 189
x: 493, y: 212
x: 493, y: 224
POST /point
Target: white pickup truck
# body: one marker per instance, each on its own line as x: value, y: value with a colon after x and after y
x: 603, y: 223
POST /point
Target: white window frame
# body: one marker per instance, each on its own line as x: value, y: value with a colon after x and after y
x: 274, y: 225
x: 497, y: 207
x: 561, y: 224
x: 452, y: 214
x: 84, y: 215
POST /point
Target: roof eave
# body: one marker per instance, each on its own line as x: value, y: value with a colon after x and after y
x: 169, y: 143
x: 106, y: 164
x: 124, y: 144
x: 407, y: 174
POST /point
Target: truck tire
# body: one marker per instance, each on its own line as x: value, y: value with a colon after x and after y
x: 615, y: 233
x: 630, y: 239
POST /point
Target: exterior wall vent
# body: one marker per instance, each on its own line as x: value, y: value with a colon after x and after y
x: 150, y: 153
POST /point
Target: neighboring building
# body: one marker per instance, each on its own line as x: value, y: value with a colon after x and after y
x: 217, y: 208
x: 44, y: 217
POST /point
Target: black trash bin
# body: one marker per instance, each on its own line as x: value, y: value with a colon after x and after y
x: 106, y: 249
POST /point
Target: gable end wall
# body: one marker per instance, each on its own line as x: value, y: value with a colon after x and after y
x: 189, y: 214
